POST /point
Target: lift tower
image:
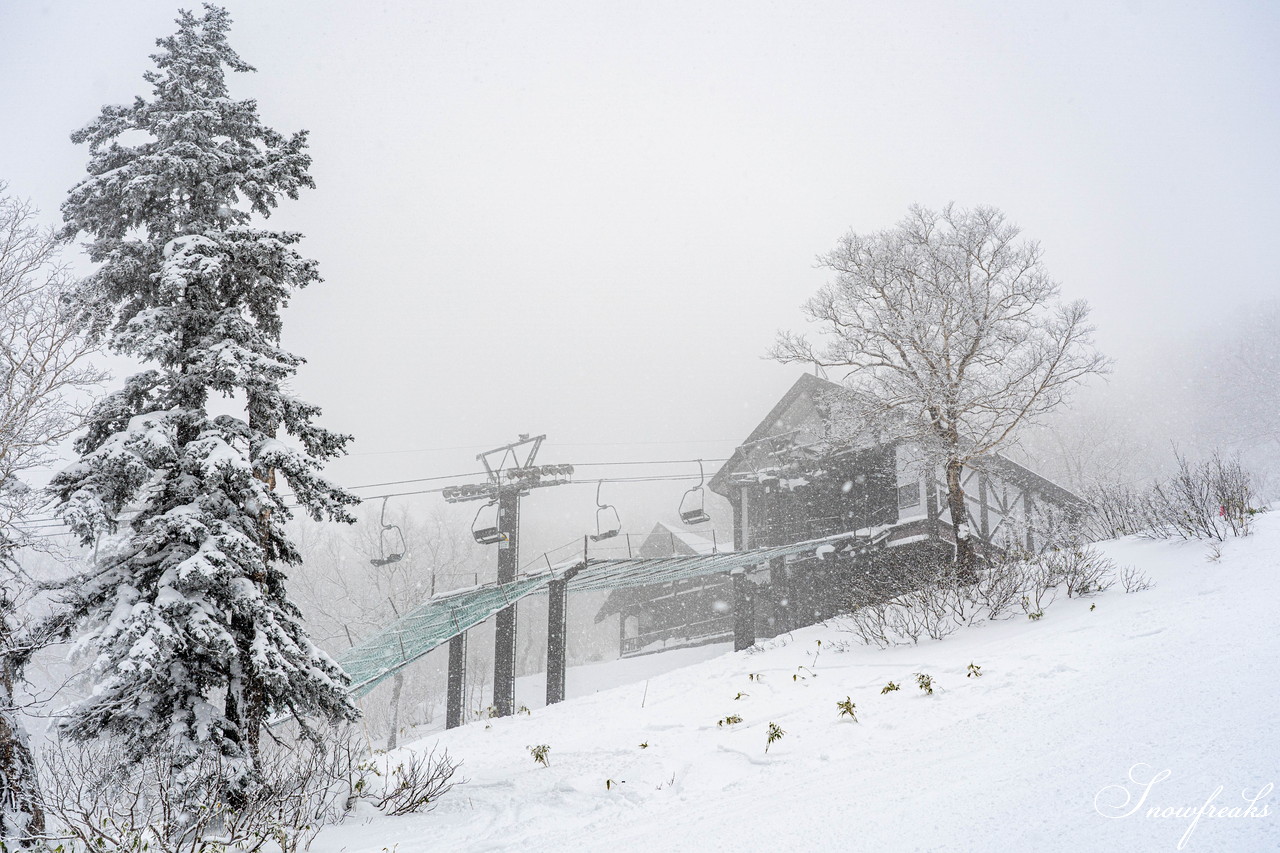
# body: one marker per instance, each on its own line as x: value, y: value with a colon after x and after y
x: 510, y: 478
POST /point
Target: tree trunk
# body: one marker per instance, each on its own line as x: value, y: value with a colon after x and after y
x: 245, y: 707
x: 254, y: 710
x: 393, y: 739
x: 21, y: 815
x: 966, y: 555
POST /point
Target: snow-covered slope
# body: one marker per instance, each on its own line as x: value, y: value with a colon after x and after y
x: 1039, y: 753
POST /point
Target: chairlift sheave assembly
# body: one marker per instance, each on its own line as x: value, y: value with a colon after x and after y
x: 385, y: 558
x: 603, y: 511
x: 488, y: 533
x: 693, y: 504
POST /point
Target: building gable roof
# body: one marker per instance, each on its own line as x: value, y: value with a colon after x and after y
x: 807, y: 384
x: 810, y: 385
x: 668, y: 541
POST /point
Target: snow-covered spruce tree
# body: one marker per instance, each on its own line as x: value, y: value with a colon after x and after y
x: 195, y: 639
x: 953, y: 331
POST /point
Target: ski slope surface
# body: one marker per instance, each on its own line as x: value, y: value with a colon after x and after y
x: 1134, y: 722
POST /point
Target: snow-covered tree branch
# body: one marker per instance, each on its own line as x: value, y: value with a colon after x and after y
x: 43, y: 377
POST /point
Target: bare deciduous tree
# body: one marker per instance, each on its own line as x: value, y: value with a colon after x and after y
x: 955, y: 334
x: 42, y: 372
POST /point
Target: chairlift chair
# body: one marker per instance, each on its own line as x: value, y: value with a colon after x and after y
x: 693, y: 503
x: 489, y: 534
x: 386, y: 559
x: 602, y: 512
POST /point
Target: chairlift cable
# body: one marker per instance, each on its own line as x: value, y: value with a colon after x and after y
x: 52, y: 523
x: 38, y: 519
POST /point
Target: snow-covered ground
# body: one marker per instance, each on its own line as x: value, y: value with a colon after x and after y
x: 1176, y: 686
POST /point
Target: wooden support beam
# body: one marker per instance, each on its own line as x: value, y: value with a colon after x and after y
x: 931, y: 507
x: 457, y: 681
x: 780, y: 580
x: 983, y: 517
x: 1029, y: 509
x: 744, y: 617
x: 739, y: 522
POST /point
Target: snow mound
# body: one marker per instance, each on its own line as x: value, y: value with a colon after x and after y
x: 1071, y: 715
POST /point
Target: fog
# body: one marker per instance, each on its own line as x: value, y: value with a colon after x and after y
x: 590, y: 220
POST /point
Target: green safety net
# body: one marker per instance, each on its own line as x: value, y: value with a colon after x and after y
x: 429, y: 626
x: 445, y: 616
x: 650, y: 571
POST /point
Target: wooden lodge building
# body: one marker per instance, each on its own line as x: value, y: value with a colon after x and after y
x: 790, y: 481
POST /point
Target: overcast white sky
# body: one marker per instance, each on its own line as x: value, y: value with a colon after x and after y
x: 589, y: 219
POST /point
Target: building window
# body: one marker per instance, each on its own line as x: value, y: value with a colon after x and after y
x: 909, y: 496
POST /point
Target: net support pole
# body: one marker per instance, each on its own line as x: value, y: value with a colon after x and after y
x: 557, y: 628
x: 457, y: 680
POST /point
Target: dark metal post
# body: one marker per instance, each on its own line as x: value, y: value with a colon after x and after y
x: 504, y: 639
x: 457, y: 680
x: 744, y: 618
x: 557, y: 627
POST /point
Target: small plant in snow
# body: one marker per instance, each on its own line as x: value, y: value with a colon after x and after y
x: 975, y: 671
x: 925, y: 683
x: 1036, y: 616
x: 755, y: 676
x: 775, y: 734
x: 1041, y: 588
x: 644, y: 745
x: 361, y: 777
x: 732, y: 719
x: 741, y: 695
x: 889, y: 688
x: 1083, y: 571
x: 847, y: 707
x: 1134, y: 580
x: 414, y: 786
x: 540, y: 753
x: 524, y: 709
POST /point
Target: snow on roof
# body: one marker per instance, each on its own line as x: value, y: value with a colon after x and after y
x: 697, y: 543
